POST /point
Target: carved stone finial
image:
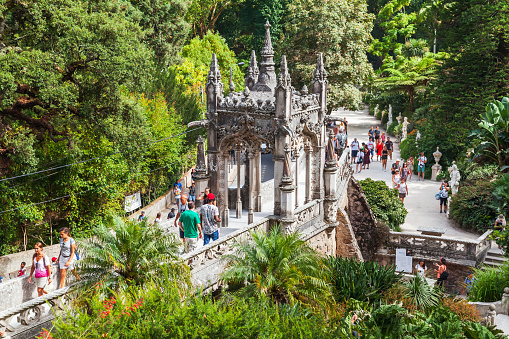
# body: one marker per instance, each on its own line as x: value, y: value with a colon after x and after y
x: 284, y: 80
x: 214, y: 73
x: 232, y: 85
x: 246, y: 92
x: 330, y: 161
x: 252, y: 71
x: 304, y: 90
x: 267, y: 44
x: 320, y: 73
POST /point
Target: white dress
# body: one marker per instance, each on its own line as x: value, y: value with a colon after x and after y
x: 421, y: 271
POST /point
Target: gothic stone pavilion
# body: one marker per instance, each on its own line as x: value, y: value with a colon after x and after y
x: 268, y: 111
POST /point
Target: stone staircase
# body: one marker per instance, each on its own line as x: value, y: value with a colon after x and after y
x: 494, y: 257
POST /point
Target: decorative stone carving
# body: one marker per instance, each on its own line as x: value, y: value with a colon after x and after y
x: 389, y: 121
x: 398, y: 118
x: 232, y: 84
x: 287, y: 165
x: 436, y: 168
x: 418, y: 135
x: 404, y: 129
x: 455, y: 178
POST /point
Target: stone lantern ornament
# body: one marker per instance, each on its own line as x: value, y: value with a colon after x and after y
x: 436, y: 168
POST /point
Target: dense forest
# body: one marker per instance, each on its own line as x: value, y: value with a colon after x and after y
x: 95, y: 96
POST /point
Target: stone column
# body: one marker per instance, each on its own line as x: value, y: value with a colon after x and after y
x: 250, y: 215
x: 307, y: 149
x: 505, y: 300
x: 287, y: 194
x: 330, y: 178
x: 258, y: 161
x: 297, y: 155
x: 239, y: 198
x: 226, y: 212
x: 201, y: 177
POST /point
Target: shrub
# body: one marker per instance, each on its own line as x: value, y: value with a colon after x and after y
x: 489, y: 283
x: 461, y: 307
x: 480, y: 172
x: 384, y: 203
x: 379, y: 114
x: 360, y: 280
x: 444, y: 176
x: 472, y: 208
x: 391, y: 129
x: 385, y: 119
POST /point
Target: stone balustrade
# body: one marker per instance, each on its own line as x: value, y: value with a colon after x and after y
x: 19, y: 321
x: 466, y: 252
x: 307, y: 214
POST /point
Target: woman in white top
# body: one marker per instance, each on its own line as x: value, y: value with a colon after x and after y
x: 420, y: 269
x: 67, y: 254
x: 396, y: 179
x: 402, y: 189
x: 41, y: 264
x: 158, y: 219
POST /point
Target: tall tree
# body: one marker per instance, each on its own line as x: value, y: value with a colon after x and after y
x: 340, y: 30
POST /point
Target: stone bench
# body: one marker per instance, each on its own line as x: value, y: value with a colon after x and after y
x: 438, y: 232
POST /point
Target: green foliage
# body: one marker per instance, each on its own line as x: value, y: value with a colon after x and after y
x: 489, y: 283
x: 492, y: 137
x: 475, y: 171
x: 384, y: 203
x: 126, y: 253
x: 472, y: 208
x: 360, y: 280
x: 421, y: 294
x: 279, y: 266
x: 501, y: 193
x: 339, y: 30
x: 197, y: 55
x: 392, y: 128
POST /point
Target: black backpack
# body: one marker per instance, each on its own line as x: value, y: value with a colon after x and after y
x: 444, y: 275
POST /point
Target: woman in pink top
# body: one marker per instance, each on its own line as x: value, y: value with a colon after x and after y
x: 441, y: 269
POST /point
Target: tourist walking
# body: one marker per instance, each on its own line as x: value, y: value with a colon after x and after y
x: 442, y: 273
x: 377, y: 134
x: 421, y: 166
x: 157, y: 220
x: 67, y: 255
x: 360, y: 160
x: 371, y: 147
x: 354, y: 146
x: 384, y: 158
x: 181, y: 208
x: 371, y: 133
x: 177, y: 192
x: 410, y: 165
x: 420, y: 269
x: 204, y: 196
x: 402, y: 189
x: 192, y: 192
x: 171, y: 215
x: 190, y: 225
x: 389, y: 145
x: 382, y: 137
x: 379, y: 149
x: 443, y: 194
x: 404, y: 171
x: 396, y: 179
x: 41, y: 264
x: 210, y: 220
x: 395, y: 167
x: 366, y: 160
x: 141, y: 216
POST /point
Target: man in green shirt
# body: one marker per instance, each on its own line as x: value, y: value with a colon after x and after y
x: 189, y: 222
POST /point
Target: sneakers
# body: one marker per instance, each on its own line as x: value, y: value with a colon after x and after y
x: 440, y: 211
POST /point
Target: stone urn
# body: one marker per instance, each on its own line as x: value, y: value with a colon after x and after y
x: 436, y: 168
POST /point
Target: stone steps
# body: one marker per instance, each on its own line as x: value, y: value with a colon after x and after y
x: 494, y: 258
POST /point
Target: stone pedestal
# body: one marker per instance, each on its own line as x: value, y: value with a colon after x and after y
x: 287, y: 204
x: 330, y: 201
x: 435, y: 171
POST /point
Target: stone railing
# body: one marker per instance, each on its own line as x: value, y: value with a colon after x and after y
x: 206, y: 263
x: 466, y: 252
x: 307, y: 214
x: 345, y: 172
x: 22, y: 321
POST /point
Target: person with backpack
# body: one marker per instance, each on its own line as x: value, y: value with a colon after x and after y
x: 41, y: 265
x: 442, y: 273
x: 67, y: 254
x: 443, y: 195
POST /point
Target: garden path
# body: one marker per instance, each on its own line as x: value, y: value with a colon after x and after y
x: 423, y: 209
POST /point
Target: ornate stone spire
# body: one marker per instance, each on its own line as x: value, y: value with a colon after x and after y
x: 267, y: 77
x: 214, y: 73
x: 232, y: 85
x: 283, y: 79
x: 252, y: 71
x: 320, y: 74
x: 304, y: 90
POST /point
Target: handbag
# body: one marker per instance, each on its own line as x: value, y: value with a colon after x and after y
x: 42, y: 273
x: 437, y: 196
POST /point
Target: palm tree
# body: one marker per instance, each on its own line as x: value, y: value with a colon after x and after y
x: 279, y: 266
x: 125, y: 253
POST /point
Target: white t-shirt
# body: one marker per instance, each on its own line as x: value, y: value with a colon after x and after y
x: 371, y: 145
x: 39, y: 265
x: 355, y: 145
x: 422, y: 159
x: 421, y: 271
x: 157, y: 221
x: 402, y: 187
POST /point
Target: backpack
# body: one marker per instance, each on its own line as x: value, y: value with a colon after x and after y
x: 444, y: 275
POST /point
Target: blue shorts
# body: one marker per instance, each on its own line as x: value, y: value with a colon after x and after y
x: 206, y: 237
x: 192, y: 198
x: 420, y: 168
x: 354, y: 154
x: 181, y: 233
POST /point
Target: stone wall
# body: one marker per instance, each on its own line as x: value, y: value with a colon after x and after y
x: 346, y: 243
x: 10, y: 264
x: 323, y: 240
x: 369, y: 233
